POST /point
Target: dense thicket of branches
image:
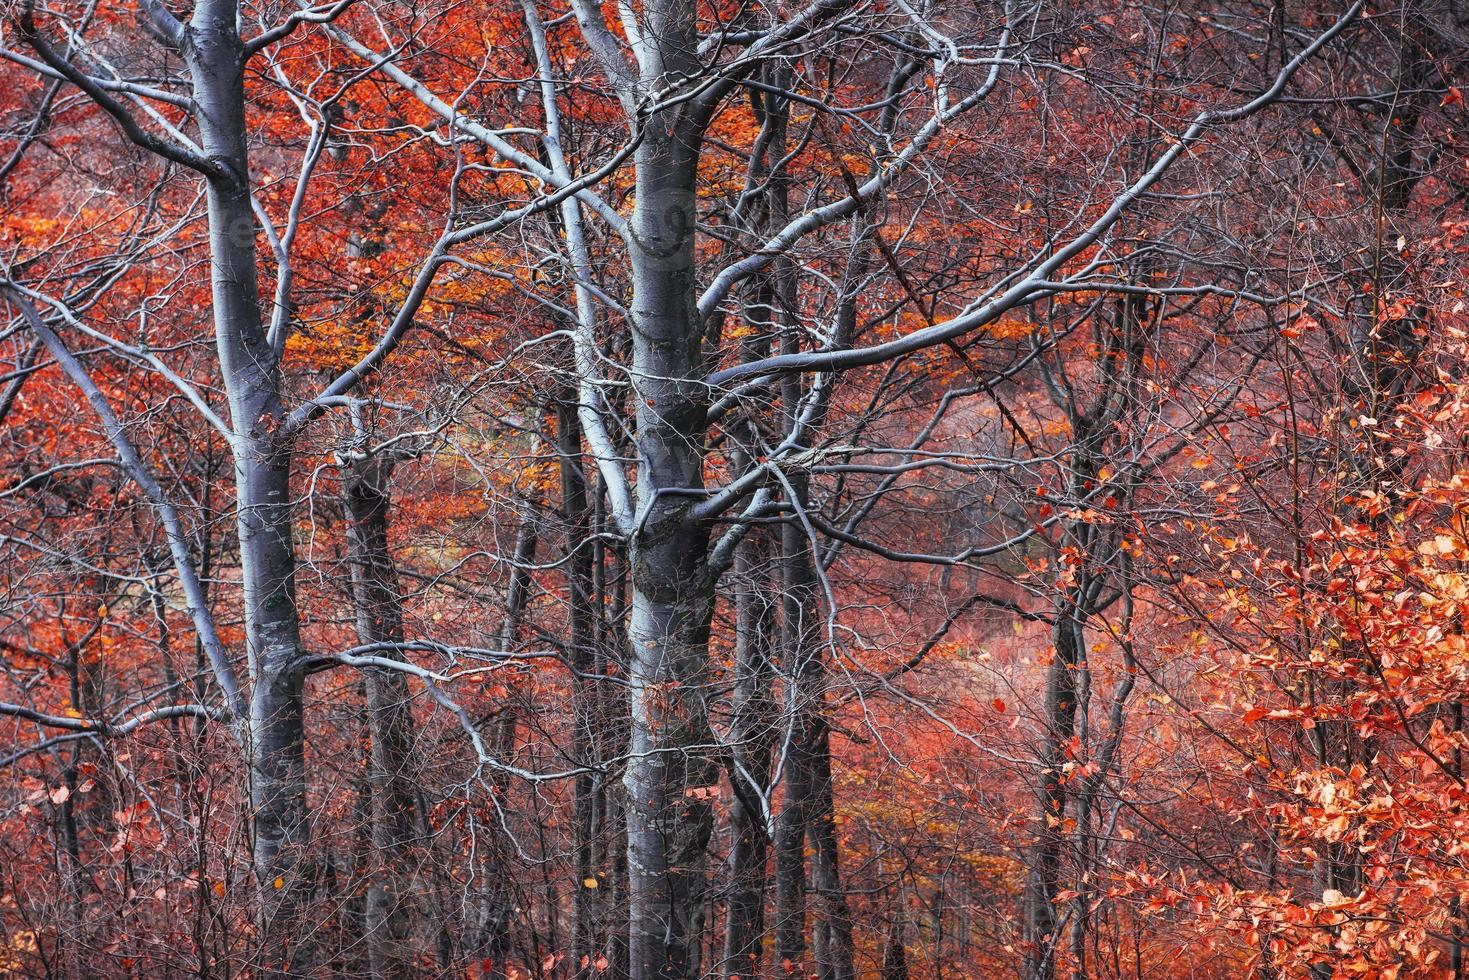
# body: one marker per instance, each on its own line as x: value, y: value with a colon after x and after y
x: 671, y: 489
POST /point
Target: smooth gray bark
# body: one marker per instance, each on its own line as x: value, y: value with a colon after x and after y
x: 670, y: 777
x: 669, y: 815
x: 275, y: 733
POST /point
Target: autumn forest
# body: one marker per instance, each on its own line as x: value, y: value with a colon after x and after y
x: 734, y: 489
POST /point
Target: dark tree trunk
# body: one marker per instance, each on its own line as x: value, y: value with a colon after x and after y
x: 750, y: 738
x: 754, y: 714
x: 809, y: 808
x: 836, y: 961
x: 894, y: 953
x: 1047, y: 874
x: 392, y: 788
x: 587, y: 803
x: 492, y: 918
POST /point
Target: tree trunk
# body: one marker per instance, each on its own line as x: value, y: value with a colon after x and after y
x: 490, y: 928
x: 808, y: 813
x: 274, y: 733
x: 581, y: 646
x: 894, y: 953
x: 790, y: 861
x: 754, y: 715
x: 670, y: 777
x: 809, y: 809
x: 750, y: 738
x: 835, y: 961
x: 392, y: 788
x: 1046, y: 874
x: 612, y: 596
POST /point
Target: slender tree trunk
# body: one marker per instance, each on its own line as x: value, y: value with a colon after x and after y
x: 809, y: 804
x: 790, y: 860
x: 85, y: 693
x: 895, y: 953
x: 496, y: 906
x: 750, y: 737
x: 1047, y: 872
x: 836, y: 961
x: 754, y: 714
x: 612, y: 595
x: 587, y: 803
x: 274, y: 733
x: 802, y: 654
x: 809, y: 813
x: 390, y: 899
x: 618, y: 953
